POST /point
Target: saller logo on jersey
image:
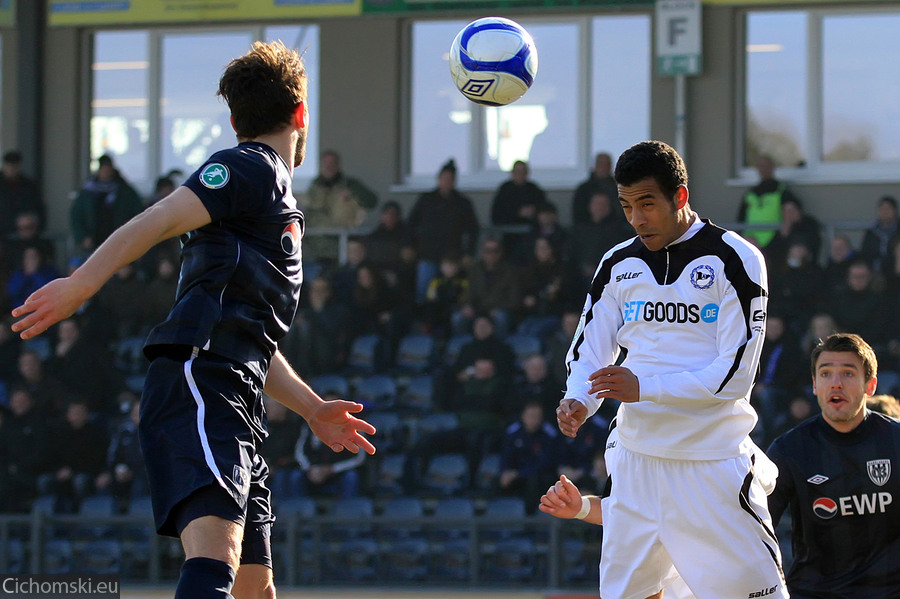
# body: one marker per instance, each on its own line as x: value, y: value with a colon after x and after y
x: 879, y: 471
x: 214, y: 175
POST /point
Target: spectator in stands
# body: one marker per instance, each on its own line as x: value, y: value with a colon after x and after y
x: 343, y: 276
x: 861, y: 307
x: 840, y: 256
x: 876, y: 243
x: 484, y: 344
x: 535, y: 384
x: 326, y: 472
x: 782, y: 376
x: 50, y: 397
x: 76, y: 456
x: 375, y: 309
x: 516, y: 202
x: 593, y: 237
x: 761, y: 205
x: 160, y: 290
x: 387, y: 245
x: 559, y: 342
x: 278, y: 451
x: 446, y: 295
x: 547, y: 227
x: 73, y: 356
x: 441, y: 220
x: 317, y: 341
x: 478, y: 403
x: 578, y: 455
x: 494, y: 288
x: 28, y: 234
x: 123, y: 302
x: 794, y: 287
x: 800, y: 408
x: 797, y: 227
x: 336, y: 200
x: 820, y: 326
x: 10, y: 348
x: 548, y: 285
x: 106, y: 201
x: 124, y: 475
x: 530, y: 455
x: 333, y: 200
x: 31, y: 274
x: 18, y: 194
x: 23, y: 444
x: 884, y: 404
x: 601, y: 180
x: 163, y: 186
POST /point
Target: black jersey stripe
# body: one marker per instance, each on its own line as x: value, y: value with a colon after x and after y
x: 601, y: 279
x: 744, y: 500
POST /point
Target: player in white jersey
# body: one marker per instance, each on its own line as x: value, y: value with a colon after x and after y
x: 686, y: 300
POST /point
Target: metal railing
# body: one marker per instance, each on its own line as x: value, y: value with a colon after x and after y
x: 532, y: 551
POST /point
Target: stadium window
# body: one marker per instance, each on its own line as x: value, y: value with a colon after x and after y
x: 560, y: 123
x: 154, y: 103
x: 120, y: 123
x: 820, y: 93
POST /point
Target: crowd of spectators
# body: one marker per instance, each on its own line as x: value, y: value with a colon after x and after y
x: 497, y: 302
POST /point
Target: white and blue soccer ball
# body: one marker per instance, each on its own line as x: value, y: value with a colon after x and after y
x: 493, y: 61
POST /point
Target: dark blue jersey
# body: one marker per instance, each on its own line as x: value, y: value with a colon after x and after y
x: 845, y: 508
x: 241, y: 274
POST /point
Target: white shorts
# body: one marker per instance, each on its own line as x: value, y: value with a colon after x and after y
x: 707, y: 521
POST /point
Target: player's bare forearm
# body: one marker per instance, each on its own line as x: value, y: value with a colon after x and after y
x: 331, y: 421
x: 180, y: 212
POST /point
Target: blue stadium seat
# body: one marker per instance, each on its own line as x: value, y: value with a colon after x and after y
x: 351, y: 550
x: 446, y: 474
x: 388, y: 474
x: 524, y: 346
x: 404, y: 548
x: 451, y: 350
x: 418, y: 395
x: 376, y: 392
x: 367, y: 355
x: 390, y: 435
x: 449, y: 533
x: 415, y: 354
x: 336, y: 383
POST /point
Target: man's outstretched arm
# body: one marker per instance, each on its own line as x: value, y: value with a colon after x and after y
x: 178, y: 213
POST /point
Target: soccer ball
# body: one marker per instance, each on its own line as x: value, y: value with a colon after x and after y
x: 493, y: 61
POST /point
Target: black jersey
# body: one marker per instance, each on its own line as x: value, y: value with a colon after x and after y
x: 845, y: 508
x: 241, y: 274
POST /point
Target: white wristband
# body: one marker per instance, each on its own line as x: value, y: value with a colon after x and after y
x: 585, y: 508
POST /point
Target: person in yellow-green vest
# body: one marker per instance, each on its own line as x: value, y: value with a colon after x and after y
x: 762, y: 203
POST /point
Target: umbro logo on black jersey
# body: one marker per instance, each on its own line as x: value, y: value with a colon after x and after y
x: 627, y: 275
x: 817, y: 479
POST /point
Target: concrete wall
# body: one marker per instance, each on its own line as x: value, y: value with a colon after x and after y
x: 362, y: 116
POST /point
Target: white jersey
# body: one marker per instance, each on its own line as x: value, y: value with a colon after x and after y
x: 691, y: 318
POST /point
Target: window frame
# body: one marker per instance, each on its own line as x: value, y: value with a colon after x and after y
x: 256, y: 32
x: 481, y: 179
x: 816, y: 171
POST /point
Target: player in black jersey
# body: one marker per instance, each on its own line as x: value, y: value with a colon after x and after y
x: 835, y: 473
x: 202, y: 415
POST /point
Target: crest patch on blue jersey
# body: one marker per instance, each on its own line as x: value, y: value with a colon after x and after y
x: 214, y: 175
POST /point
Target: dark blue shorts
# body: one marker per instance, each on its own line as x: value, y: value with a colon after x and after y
x: 200, y: 431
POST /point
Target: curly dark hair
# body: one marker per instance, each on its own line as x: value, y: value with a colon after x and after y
x: 263, y: 88
x: 652, y: 159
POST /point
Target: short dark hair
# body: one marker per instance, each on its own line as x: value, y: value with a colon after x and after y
x: 263, y: 88
x: 889, y: 200
x: 652, y: 159
x: 850, y: 343
x: 12, y: 157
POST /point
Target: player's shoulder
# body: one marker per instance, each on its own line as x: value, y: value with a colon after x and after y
x: 798, y: 436
x: 886, y: 422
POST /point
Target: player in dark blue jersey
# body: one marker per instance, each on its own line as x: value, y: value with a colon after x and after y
x: 836, y: 474
x: 202, y: 415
